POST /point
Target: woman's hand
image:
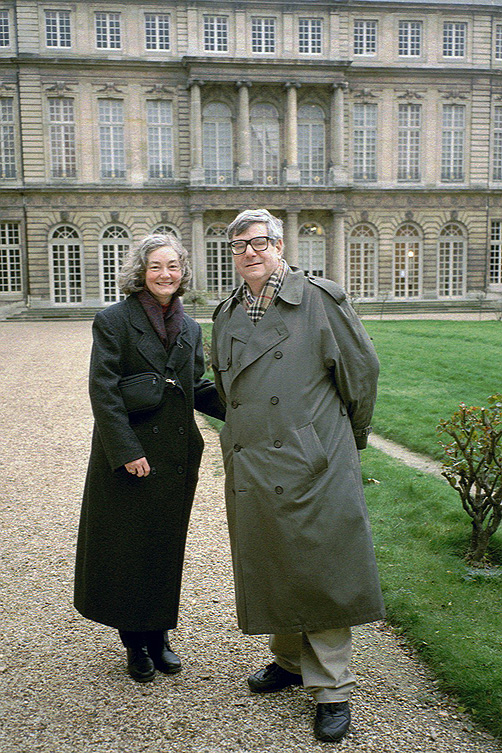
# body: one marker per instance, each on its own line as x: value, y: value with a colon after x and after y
x: 139, y: 467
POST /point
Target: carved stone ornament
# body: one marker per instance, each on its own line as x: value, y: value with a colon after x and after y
x: 159, y: 89
x: 59, y: 87
x: 409, y: 94
x: 109, y: 87
x: 363, y: 94
x: 5, y: 87
x: 454, y: 94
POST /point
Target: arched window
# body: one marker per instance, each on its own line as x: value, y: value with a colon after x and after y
x: 115, y: 241
x: 362, y: 261
x: 311, y: 249
x: 217, y: 143
x: 311, y: 160
x: 65, y: 250
x: 452, y: 248
x: 220, y: 265
x: 164, y: 228
x: 265, y: 144
x: 407, y: 256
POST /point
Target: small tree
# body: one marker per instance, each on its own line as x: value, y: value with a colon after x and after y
x: 473, y: 467
x: 195, y: 297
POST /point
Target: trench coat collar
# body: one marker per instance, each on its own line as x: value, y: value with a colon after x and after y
x: 150, y: 346
x: 290, y: 292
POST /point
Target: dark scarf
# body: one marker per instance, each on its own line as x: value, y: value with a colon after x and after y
x: 166, y: 320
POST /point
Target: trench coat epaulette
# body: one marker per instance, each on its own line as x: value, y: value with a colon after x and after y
x: 222, y: 303
x: 333, y: 288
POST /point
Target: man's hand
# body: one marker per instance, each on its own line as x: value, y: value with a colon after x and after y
x: 139, y: 467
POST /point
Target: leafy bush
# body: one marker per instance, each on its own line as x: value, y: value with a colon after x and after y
x: 473, y: 467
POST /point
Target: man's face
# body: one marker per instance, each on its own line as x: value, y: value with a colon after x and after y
x: 257, y: 266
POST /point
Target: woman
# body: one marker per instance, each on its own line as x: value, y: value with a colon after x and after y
x: 144, y: 460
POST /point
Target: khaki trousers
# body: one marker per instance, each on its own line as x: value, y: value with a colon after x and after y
x: 321, y: 657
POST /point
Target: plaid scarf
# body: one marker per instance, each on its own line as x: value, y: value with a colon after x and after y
x: 166, y: 320
x: 256, y: 306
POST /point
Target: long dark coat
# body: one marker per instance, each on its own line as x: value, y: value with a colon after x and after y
x: 132, y: 530
x: 300, y: 388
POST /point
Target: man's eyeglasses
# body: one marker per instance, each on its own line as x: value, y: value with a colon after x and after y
x: 260, y: 243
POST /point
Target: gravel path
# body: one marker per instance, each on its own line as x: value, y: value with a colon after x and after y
x: 64, y: 685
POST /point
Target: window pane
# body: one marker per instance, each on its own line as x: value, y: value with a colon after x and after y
x: 454, y: 37
x: 409, y: 119
x: 310, y: 35
x: 111, y: 135
x: 265, y: 145
x: 57, y: 28
x: 160, y: 139
x: 10, y: 258
x: 452, y: 157
x: 263, y: 34
x: 108, y: 31
x: 496, y: 253
x: 157, y: 31
x: 365, y: 137
x: 62, y: 138
x: 4, y: 28
x: 216, y: 33
x: 7, y: 142
x: 365, y: 36
x: 410, y: 38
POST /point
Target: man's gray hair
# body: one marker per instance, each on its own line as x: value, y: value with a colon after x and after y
x: 131, y: 277
x: 249, y: 217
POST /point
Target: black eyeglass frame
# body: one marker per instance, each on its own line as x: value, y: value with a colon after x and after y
x: 250, y: 243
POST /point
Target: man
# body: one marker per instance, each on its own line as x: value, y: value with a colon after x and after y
x: 298, y: 373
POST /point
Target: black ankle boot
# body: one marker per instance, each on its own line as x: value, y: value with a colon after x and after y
x: 139, y: 663
x: 164, y: 659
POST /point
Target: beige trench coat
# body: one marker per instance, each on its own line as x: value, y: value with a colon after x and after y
x: 300, y: 387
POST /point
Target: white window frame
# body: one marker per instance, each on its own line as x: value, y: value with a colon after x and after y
x: 311, y: 147
x: 498, y: 42
x: 495, y: 260
x: 111, y: 139
x: 410, y: 39
x: 364, y: 141
x: 8, y: 165
x: 497, y: 143
x: 362, y: 261
x: 215, y: 33
x: 157, y: 32
x: 69, y: 242
x: 220, y: 267
x: 114, y: 243
x: 263, y: 35
x: 58, y: 29
x: 453, y: 144
x: 409, y: 142
x: 5, y: 31
x: 454, y: 39
x: 312, y: 249
x: 108, y: 27
x: 217, y: 145
x: 160, y: 139
x: 310, y: 36
x: 451, y: 274
x: 365, y: 37
x: 62, y: 141
x: 265, y: 163
x: 11, y: 267
x: 412, y: 272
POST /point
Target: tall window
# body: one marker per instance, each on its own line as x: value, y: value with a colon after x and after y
x: 410, y: 38
x: 217, y: 144
x: 57, y: 28
x: 66, y: 258
x: 454, y: 39
x: 111, y: 138
x: 453, y: 142
x: 265, y: 144
x: 216, y: 33
x: 312, y: 249
x: 310, y: 36
x: 409, y: 117
x: 365, y: 37
x: 311, y: 160
x: 362, y: 261
x: 62, y: 138
x: 157, y: 31
x: 496, y: 253
x: 114, y: 244
x: 220, y: 265
x: 407, y: 252
x: 160, y: 138
x: 263, y: 34
x: 10, y: 258
x: 452, y: 247
x: 108, y: 33
x: 4, y: 28
x: 498, y: 41
x: 365, y: 138
x: 497, y: 143
x: 7, y: 142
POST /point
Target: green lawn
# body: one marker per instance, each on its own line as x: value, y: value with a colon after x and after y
x: 427, y: 369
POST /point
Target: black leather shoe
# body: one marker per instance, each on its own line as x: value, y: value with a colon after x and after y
x: 139, y: 664
x: 332, y: 721
x: 272, y: 678
x: 164, y: 659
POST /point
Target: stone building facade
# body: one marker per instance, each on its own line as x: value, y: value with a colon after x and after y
x: 372, y: 127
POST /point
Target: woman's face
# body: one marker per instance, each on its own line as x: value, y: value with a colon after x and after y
x: 163, y: 273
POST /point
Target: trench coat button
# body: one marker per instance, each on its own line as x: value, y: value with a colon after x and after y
x: 274, y: 400
x: 181, y: 430
x: 153, y: 471
x: 278, y: 354
x: 180, y: 469
x: 277, y: 443
x: 235, y: 403
x: 279, y: 490
x: 229, y: 361
x: 155, y: 429
x: 237, y: 448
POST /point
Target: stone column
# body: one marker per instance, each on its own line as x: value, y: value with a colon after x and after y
x: 338, y: 171
x: 198, y: 251
x: 196, y: 167
x: 292, y: 169
x: 337, y: 260
x: 244, y: 169
x: 291, y: 238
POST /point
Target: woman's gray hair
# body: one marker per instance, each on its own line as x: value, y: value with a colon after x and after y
x: 131, y: 277
x: 249, y: 217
